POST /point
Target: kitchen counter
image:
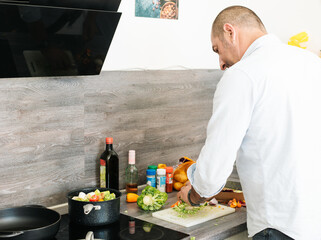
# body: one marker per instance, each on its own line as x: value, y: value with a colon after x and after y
x: 219, y: 228
x: 216, y: 229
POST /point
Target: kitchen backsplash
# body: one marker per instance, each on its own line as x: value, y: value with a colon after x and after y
x: 52, y: 130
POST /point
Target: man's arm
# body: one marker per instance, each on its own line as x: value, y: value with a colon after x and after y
x: 233, y: 105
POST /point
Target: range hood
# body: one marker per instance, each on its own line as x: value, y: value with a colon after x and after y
x: 54, y: 37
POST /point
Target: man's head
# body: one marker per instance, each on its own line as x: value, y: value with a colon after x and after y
x: 233, y: 31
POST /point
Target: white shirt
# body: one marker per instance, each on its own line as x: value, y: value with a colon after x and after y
x: 267, y: 117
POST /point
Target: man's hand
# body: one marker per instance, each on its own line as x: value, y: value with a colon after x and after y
x: 182, y: 194
x: 195, y: 198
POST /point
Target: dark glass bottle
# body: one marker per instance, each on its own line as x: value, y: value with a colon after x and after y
x: 109, y: 167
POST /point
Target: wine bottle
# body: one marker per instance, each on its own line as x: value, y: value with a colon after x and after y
x: 109, y: 167
x: 131, y: 173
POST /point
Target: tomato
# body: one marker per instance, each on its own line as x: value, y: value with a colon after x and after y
x: 94, y: 198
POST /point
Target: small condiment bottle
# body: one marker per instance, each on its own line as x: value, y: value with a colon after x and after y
x: 161, y: 179
x: 152, y: 167
x: 131, y: 173
x: 161, y: 165
x: 155, y: 168
x: 169, y: 179
x: 151, y: 177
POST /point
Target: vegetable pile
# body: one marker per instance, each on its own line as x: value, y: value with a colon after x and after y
x: 236, y: 204
x: 184, y: 210
x: 96, y: 196
x: 151, y: 199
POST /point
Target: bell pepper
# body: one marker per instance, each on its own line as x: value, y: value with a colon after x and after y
x: 94, y: 198
x: 233, y: 203
x: 131, y: 197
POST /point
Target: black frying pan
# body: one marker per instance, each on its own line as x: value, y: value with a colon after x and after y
x: 29, y: 222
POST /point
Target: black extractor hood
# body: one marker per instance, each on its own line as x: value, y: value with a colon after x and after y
x: 55, y: 37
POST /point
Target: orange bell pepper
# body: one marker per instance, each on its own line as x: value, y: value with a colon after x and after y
x: 131, y: 197
x: 233, y: 203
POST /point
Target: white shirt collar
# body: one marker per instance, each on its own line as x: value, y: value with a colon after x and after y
x: 264, y: 40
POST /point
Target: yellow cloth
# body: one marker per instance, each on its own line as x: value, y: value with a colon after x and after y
x: 299, y: 38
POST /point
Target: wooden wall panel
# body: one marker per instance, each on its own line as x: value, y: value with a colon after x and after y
x: 41, y: 139
x: 52, y: 130
x: 160, y: 114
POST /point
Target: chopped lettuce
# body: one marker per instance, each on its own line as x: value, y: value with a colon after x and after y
x: 95, y: 196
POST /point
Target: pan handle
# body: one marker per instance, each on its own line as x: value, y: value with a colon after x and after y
x: 89, y: 207
x: 34, y: 206
x: 90, y: 236
x: 10, y: 234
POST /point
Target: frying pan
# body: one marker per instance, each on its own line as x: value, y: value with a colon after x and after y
x: 29, y: 223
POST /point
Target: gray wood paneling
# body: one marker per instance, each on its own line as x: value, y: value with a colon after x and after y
x: 52, y: 130
x: 41, y: 138
x: 160, y: 114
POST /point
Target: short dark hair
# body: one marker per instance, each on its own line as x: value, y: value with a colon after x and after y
x: 238, y: 16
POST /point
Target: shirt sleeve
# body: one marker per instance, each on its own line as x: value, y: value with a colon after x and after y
x: 233, y: 105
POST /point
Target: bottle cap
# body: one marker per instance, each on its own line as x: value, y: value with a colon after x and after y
x: 150, y: 171
x: 109, y: 140
x: 161, y: 165
x: 169, y: 169
x: 131, y: 157
x: 161, y: 171
x: 152, y: 167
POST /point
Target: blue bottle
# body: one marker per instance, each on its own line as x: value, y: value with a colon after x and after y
x: 151, y: 177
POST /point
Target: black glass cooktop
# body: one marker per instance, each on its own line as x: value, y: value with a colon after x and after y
x: 127, y: 228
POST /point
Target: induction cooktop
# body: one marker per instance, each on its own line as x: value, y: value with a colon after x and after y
x: 126, y: 228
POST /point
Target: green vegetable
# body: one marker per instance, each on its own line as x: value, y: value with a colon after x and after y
x: 80, y: 199
x: 96, y: 196
x: 108, y: 195
x: 151, y: 199
x: 184, y: 210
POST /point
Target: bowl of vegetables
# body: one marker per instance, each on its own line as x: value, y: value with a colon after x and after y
x: 94, y: 206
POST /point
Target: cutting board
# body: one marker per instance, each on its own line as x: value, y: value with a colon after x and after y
x: 206, y: 214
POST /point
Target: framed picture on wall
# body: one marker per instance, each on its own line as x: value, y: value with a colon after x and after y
x: 164, y: 9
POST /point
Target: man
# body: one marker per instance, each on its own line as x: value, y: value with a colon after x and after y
x: 267, y: 116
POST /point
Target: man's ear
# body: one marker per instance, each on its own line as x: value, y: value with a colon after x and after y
x: 229, y: 31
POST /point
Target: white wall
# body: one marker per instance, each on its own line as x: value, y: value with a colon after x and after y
x: 288, y: 17
x: 147, y: 43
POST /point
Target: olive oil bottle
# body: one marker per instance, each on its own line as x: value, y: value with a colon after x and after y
x: 131, y: 174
